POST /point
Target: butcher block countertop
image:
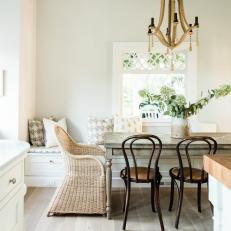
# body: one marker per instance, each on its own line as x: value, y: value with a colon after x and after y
x: 219, y: 166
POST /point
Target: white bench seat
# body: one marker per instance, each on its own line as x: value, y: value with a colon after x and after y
x: 44, y: 167
x: 44, y: 149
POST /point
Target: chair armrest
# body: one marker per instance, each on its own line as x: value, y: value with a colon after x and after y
x: 86, y: 149
x: 69, y: 145
x: 84, y: 164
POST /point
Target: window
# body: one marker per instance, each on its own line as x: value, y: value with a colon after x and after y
x: 150, y: 71
x: 136, y: 69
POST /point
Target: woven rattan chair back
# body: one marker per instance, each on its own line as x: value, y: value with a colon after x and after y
x: 183, y: 152
x: 65, y: 141
x: 79, y: 159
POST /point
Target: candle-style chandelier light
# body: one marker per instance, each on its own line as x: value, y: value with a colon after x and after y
x: 172, y: 37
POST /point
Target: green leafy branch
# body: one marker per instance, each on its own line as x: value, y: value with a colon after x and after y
x: 175, y: 105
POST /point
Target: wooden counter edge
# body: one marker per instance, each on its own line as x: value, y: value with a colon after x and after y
x: 217, y: 170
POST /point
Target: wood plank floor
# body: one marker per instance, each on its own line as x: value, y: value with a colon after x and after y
x: 140, y: 217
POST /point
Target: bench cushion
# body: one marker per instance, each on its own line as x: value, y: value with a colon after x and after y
x: 44, y: 149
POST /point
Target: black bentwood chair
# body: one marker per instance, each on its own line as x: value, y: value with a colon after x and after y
x: 140, y: 174
x: 185, y: 173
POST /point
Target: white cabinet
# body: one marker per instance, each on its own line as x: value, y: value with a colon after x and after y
x: 11, y: 214
x: 220, y: 197
x: 12, y: 187
x: 11, y: 179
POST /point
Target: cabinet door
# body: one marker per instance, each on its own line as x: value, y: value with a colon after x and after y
x: 11, y: 215
x: 11, y: 179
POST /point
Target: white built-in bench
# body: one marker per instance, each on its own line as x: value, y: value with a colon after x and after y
x: 44, y: 167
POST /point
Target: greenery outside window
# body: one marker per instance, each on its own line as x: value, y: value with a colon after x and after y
x: 150, y: 71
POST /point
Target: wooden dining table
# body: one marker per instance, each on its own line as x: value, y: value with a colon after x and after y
x: 168, y: 158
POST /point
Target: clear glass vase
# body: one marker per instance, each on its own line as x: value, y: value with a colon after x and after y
x: 179, y: 128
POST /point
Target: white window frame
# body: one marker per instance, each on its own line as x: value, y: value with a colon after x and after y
x: 119, y: 48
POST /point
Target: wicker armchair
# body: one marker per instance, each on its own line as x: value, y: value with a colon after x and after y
x: 83, y: 188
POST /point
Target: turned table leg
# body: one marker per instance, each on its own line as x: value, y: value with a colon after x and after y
x: 108, y: 187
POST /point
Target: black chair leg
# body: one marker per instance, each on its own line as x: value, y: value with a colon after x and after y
x: 127, y: 204
x: 153, y: 196
x: 157, y: 202
x: 199, y: 197
x: 125, y: 183
x: 179, y: 204
x: 212, y: 208
x: 171, y: 195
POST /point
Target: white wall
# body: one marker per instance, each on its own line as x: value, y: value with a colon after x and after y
x: 214, y: 59
x: 9, y: 62
x: 74, y: 54
x: 17, y: 47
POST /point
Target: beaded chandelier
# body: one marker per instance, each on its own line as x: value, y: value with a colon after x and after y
x: 174, y: 35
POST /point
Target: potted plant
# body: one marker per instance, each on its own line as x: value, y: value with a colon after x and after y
x: 176, y: 106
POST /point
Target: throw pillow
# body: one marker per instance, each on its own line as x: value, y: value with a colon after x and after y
x: 36, y: 133
x: 127, y: 124
x: 50, y: 137
x: 97, y: 127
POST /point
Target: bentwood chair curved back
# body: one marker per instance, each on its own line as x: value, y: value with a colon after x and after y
x: 186, y: 173
x: 135, y: 173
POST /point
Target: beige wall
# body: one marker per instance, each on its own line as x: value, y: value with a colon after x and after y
x: 74, y: 54
x: 27, y: 66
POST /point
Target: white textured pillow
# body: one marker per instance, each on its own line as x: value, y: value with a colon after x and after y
x: 127, y: 124
x: 97, y: 127
x: 50, y: 137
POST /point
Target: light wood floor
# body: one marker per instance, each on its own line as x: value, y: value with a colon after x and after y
x: 140, y: 217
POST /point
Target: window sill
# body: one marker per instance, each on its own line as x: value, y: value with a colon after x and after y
x: 156, y: 122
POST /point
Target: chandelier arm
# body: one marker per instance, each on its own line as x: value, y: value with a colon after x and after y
x: 174, y: 33
x: 161, y: 37
x: 173, y: 24
x: 169, y: 21
x: 181, y: 17
x: 182, y: 13
x: 161, y: 14
x: 183, y: 37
